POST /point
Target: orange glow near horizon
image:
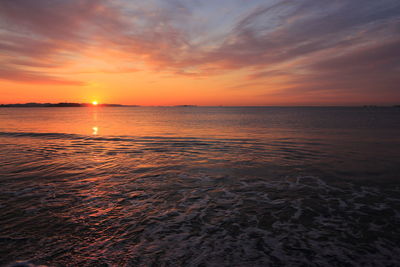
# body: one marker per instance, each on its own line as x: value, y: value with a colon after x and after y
x: 103, y: 53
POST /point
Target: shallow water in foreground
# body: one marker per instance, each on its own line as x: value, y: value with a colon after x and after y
x: 200, y: 186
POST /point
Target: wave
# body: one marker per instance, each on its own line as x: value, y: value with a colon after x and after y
x: 301, y: 221
x: 297, y: 221
x: 32, y: 134
x: 115, y: 138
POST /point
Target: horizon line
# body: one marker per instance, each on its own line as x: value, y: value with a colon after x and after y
x: 188, y: 105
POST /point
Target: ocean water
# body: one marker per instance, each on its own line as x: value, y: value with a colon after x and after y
x: 200, y: 186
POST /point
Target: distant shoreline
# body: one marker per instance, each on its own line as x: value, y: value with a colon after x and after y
x: 60, y: 105
x: 66, y: 104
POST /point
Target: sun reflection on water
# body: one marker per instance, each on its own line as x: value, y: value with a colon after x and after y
x: 95, y: 130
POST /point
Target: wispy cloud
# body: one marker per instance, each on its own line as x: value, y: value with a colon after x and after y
x: 335, y: 45
x: 22, y: 75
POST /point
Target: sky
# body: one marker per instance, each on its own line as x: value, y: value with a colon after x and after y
x: 200, y: 52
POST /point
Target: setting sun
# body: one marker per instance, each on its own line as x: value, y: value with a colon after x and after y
x: 94, y: 103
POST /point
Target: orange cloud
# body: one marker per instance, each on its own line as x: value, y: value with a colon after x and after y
x: 292, y: 48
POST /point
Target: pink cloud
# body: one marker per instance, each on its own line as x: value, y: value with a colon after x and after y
x: 44, y: 34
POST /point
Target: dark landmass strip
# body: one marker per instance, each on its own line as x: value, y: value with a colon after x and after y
x: 51, y: 105
x: 66, y: 104
x: 185, y: 106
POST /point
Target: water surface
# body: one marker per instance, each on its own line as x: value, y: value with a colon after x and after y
x: 200, y: 186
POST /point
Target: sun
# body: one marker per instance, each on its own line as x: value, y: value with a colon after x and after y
x: 95, y: 103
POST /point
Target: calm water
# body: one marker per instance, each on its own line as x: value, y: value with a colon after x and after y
x: 200, y: 186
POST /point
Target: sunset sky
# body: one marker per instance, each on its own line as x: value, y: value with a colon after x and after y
x: 203, y: 52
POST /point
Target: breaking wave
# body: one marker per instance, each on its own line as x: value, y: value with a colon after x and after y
x: 218, y: 221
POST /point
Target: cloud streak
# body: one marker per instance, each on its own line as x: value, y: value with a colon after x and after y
x: 351, y: 47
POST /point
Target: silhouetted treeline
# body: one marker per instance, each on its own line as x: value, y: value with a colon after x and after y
x: 50, y: 105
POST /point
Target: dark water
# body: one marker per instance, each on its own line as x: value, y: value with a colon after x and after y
x: 200, y: 186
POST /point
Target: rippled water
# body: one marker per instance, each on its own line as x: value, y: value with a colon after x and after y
x: 200, y: 186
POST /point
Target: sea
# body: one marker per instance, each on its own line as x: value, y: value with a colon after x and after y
x: 200, y: 186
